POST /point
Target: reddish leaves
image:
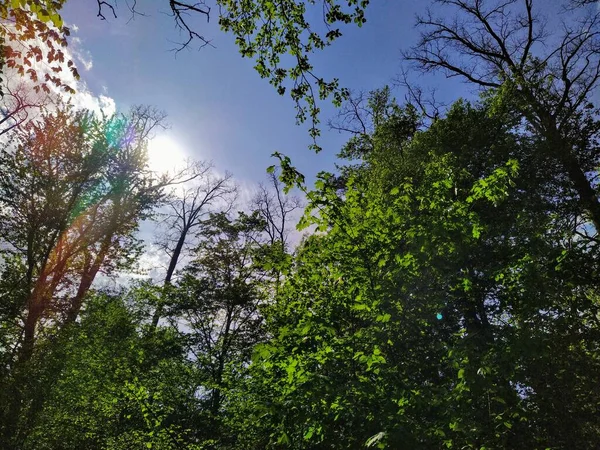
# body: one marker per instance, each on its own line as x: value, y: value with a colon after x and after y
x: 34, y: 46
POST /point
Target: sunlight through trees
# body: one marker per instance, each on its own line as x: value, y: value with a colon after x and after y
x: 439, y: 287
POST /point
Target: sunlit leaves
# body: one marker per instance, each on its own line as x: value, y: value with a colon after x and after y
x: 278, y: 35
x: 404, y: 315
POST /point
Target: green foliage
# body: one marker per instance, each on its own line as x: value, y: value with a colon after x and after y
x: 216, y: 306
x: 114, y: 388
x: 279, y: 36
x: 425, y: 313
x: 73, y: 189
x: 447, y: 297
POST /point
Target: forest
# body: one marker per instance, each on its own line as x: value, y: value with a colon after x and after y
x: 440, y: 289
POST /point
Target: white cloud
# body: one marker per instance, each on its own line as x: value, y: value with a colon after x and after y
x: 101, y: 104
x: 83, y: 57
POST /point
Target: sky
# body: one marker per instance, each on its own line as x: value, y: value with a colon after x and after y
x: 218, y: 107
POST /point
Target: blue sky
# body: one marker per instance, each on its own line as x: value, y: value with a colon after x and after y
x: 218, y: 106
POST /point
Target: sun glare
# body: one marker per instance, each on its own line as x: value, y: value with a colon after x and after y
x: 164, y: 154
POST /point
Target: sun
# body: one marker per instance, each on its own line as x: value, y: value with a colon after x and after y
x: 164, y: 154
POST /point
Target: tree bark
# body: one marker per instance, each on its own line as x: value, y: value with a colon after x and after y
x: 87, y: 278
x: 587, y: 195
x: 170, y: 271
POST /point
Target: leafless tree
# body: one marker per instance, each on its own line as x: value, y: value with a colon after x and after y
x: 275, y: 208
x: 503, y: 46
x: 147, y: 119
x: 424, y: 100
x: 354, y: 117
x: 187, y: 208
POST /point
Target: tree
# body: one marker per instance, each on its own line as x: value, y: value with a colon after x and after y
x: 187, y: 212
x: 72, y: 193
x: 275, y: 208
x: 106, y: 383
x: 504, y: 47
x: 74, y: 190
x: 215, y: 306
x: 425, y: 312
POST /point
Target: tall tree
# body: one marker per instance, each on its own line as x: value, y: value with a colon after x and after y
x: 215, y: 305
x: 108, y: 384
x: 188, y: 208
x: 72, y: 193
x: 548, y: 77
x: 276, y: 208
x: 425, y: 313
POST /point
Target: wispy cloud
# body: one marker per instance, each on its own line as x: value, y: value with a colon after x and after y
x: 81, y: 55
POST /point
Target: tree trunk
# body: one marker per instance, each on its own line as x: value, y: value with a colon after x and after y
x: 87, y: 278
x: 33, y: 316
x: 18, y: 385
x: 216, y: 394
x: 587, y: 195
x: 172, y: 266
x: 35, y: 309
x: 560, y: 149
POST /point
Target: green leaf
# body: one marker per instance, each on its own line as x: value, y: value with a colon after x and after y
x: 309, y: 433
x: 376, y: 438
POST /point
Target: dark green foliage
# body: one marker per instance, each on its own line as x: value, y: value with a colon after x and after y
x: 447, y: 295
x: 215, y: 305
x: 447, y: 298
x: 434, y: 310
x: 113, y: 387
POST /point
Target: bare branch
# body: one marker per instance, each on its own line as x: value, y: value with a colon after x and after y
x: 429, y: 107
x: 275, y: 208
x: 354, y: 117
x: 17, y: 104
x: 101, y: 5
x: 180, y: 11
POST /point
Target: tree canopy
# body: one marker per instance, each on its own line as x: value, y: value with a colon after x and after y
x: 445, y: 292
